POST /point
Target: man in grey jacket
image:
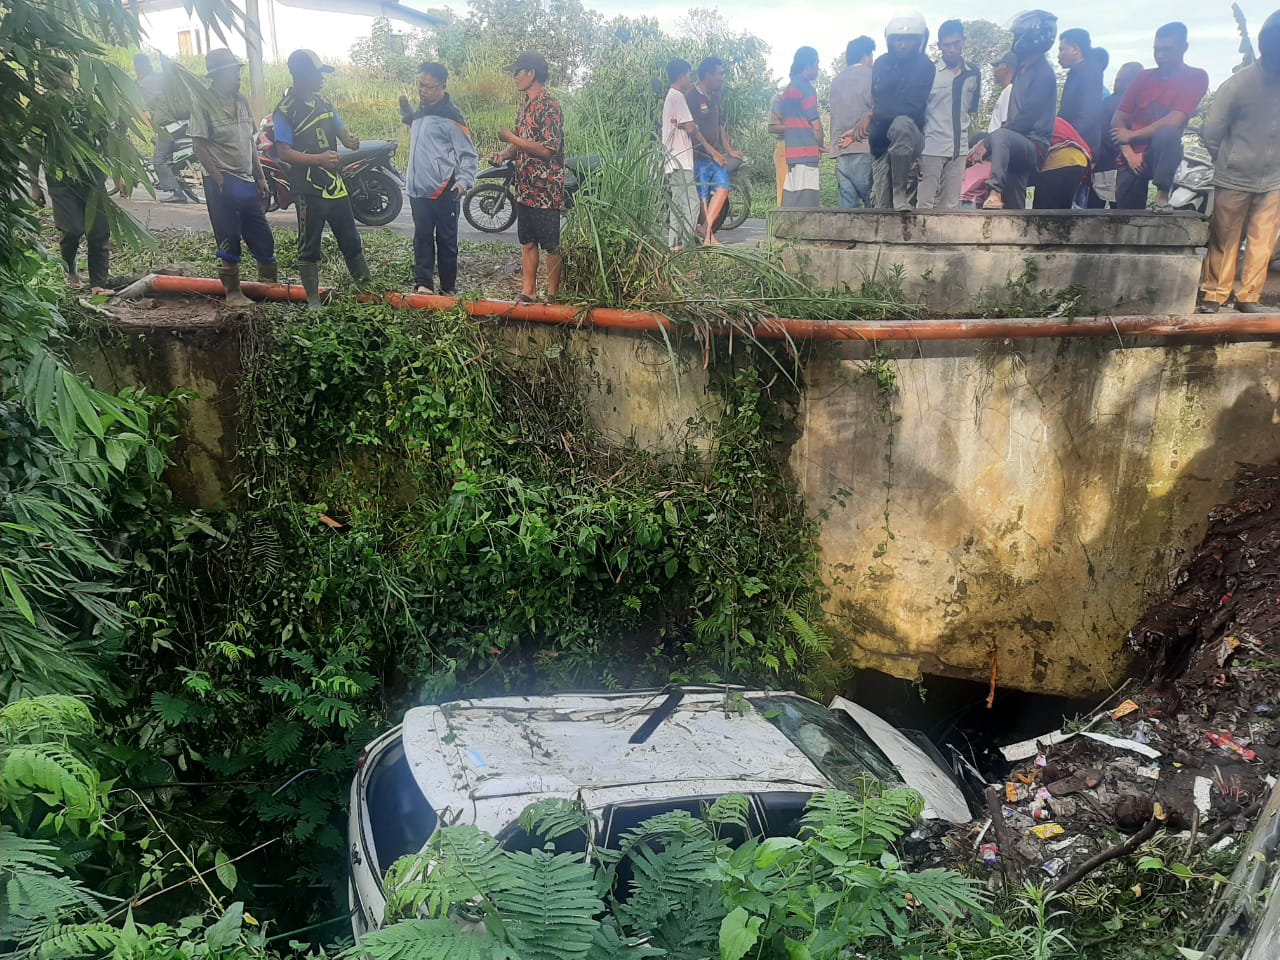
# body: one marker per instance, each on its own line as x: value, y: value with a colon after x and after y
x: 443, y: 163
x: 953, y: 102
x: 1243, y: 137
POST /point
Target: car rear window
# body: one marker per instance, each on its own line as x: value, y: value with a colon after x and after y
x: 400, y: 818
x: 832, y: 740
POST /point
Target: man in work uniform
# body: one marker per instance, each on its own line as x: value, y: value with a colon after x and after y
x: 307, y: 131
x: 234, y: 186
x: 1243, y: 137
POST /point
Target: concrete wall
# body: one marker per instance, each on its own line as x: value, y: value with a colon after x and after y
x: 951, y: 260
x: 1038, y: 492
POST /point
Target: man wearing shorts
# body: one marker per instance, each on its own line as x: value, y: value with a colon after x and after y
x: 537, y: 147
x: 711, y: 145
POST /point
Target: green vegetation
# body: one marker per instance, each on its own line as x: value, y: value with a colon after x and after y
x: 427, y: 510
x: 834, y: 889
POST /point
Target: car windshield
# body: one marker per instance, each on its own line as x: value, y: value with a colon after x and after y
x: 831, y: 739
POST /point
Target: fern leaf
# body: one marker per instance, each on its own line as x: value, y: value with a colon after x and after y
x: 48, y: 716
x: 732, y: 809
x: 550, y: 911
x: 813, y: 641
x: 423, y: 940
x: 465, y: 864
x: 53, y: 771
x: 35, y: 892
x: 554, y: 818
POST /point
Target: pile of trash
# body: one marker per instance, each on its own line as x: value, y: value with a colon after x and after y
x: 1193, y: 749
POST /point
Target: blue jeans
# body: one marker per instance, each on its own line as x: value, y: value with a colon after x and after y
x: 853, y: 176
x: 236, y: 214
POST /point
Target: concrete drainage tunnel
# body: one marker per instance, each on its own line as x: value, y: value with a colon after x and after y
x: 1079, y: 608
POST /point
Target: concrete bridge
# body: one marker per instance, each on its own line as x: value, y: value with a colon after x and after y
x: 1015, y: 502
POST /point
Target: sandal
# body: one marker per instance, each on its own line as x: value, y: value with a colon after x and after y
x: 425, y: 290
x: 993, y: 202
x: 524, y: 298
x: 1162, y: 208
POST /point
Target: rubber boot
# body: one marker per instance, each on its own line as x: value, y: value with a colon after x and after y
x: 269, y: 272
x: 310, y: 276
x: 358, y: 269
x: 229, y: 274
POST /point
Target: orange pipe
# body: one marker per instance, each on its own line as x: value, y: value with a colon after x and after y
x: 1207, y: 325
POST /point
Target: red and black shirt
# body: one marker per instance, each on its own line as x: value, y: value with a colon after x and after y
x: 540, y: 183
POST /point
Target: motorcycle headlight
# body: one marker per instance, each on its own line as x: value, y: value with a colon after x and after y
x: 1197, y: 177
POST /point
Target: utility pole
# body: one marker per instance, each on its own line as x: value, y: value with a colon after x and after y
x: 253, y: 49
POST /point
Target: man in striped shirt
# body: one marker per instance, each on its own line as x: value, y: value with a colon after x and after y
x: 802, y: 132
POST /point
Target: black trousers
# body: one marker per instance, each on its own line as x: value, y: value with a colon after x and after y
x: 435, y: 241
x: 314, y: 211
x: 1159, y: 165
x: 80, y: 213
x: 1014, y: 159
x: 235, y: 212
x: 1055, y: 189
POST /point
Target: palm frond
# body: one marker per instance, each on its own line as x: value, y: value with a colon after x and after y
x: 35, y: 892
x: 424, y: 940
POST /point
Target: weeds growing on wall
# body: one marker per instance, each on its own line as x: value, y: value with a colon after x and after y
x: 428, y: 512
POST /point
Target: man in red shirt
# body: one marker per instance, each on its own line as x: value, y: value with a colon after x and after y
x: 1149, y: 122
x: 537, y: 147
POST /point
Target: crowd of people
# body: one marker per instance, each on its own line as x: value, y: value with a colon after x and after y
x: 905, y: 134
x: 904, y: 137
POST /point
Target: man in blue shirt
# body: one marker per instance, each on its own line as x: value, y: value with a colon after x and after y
x: 307, y: 131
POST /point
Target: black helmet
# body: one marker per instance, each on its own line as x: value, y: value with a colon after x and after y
x: 1269, y: 39
x: 1033, y: 32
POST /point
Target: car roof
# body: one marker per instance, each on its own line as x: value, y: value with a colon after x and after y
x: 472, y: 753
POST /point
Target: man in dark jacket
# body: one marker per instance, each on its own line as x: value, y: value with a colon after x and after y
x: 1243, y: 137
x: 900, y: 83
x: 307, y: 131
x: 1018, y: 148
x: 1084, y: 90
x: 443, y: 163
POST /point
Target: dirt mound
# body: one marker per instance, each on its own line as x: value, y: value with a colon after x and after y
x: 1195, y: 746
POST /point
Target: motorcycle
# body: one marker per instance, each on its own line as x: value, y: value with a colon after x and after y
x: 490, y: 205
x: 374, y: 184
x: 186, y: 168
x: 1193, y: 185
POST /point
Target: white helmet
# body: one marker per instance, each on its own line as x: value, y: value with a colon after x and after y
x: 909, y: 23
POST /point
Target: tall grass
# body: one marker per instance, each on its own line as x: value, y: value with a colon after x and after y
x: 616, y: 252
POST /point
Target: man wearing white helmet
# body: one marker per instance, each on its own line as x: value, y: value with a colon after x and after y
x: 900, y: 83
x: 1019, y: 147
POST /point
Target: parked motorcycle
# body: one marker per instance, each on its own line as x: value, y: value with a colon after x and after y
x: 490, y: 205
x: 1193, y: 185
x: 374, y: 184
x: 186, y: 168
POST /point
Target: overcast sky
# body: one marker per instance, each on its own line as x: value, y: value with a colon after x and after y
x: 1124, y: 30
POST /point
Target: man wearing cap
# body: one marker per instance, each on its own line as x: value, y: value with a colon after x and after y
x: 537, y: 147
x: 307, y: 131
x: 234, y: 187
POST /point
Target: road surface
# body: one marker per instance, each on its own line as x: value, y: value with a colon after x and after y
x: 154, y: 215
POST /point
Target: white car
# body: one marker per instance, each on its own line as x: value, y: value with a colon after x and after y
x: 625, y: 756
